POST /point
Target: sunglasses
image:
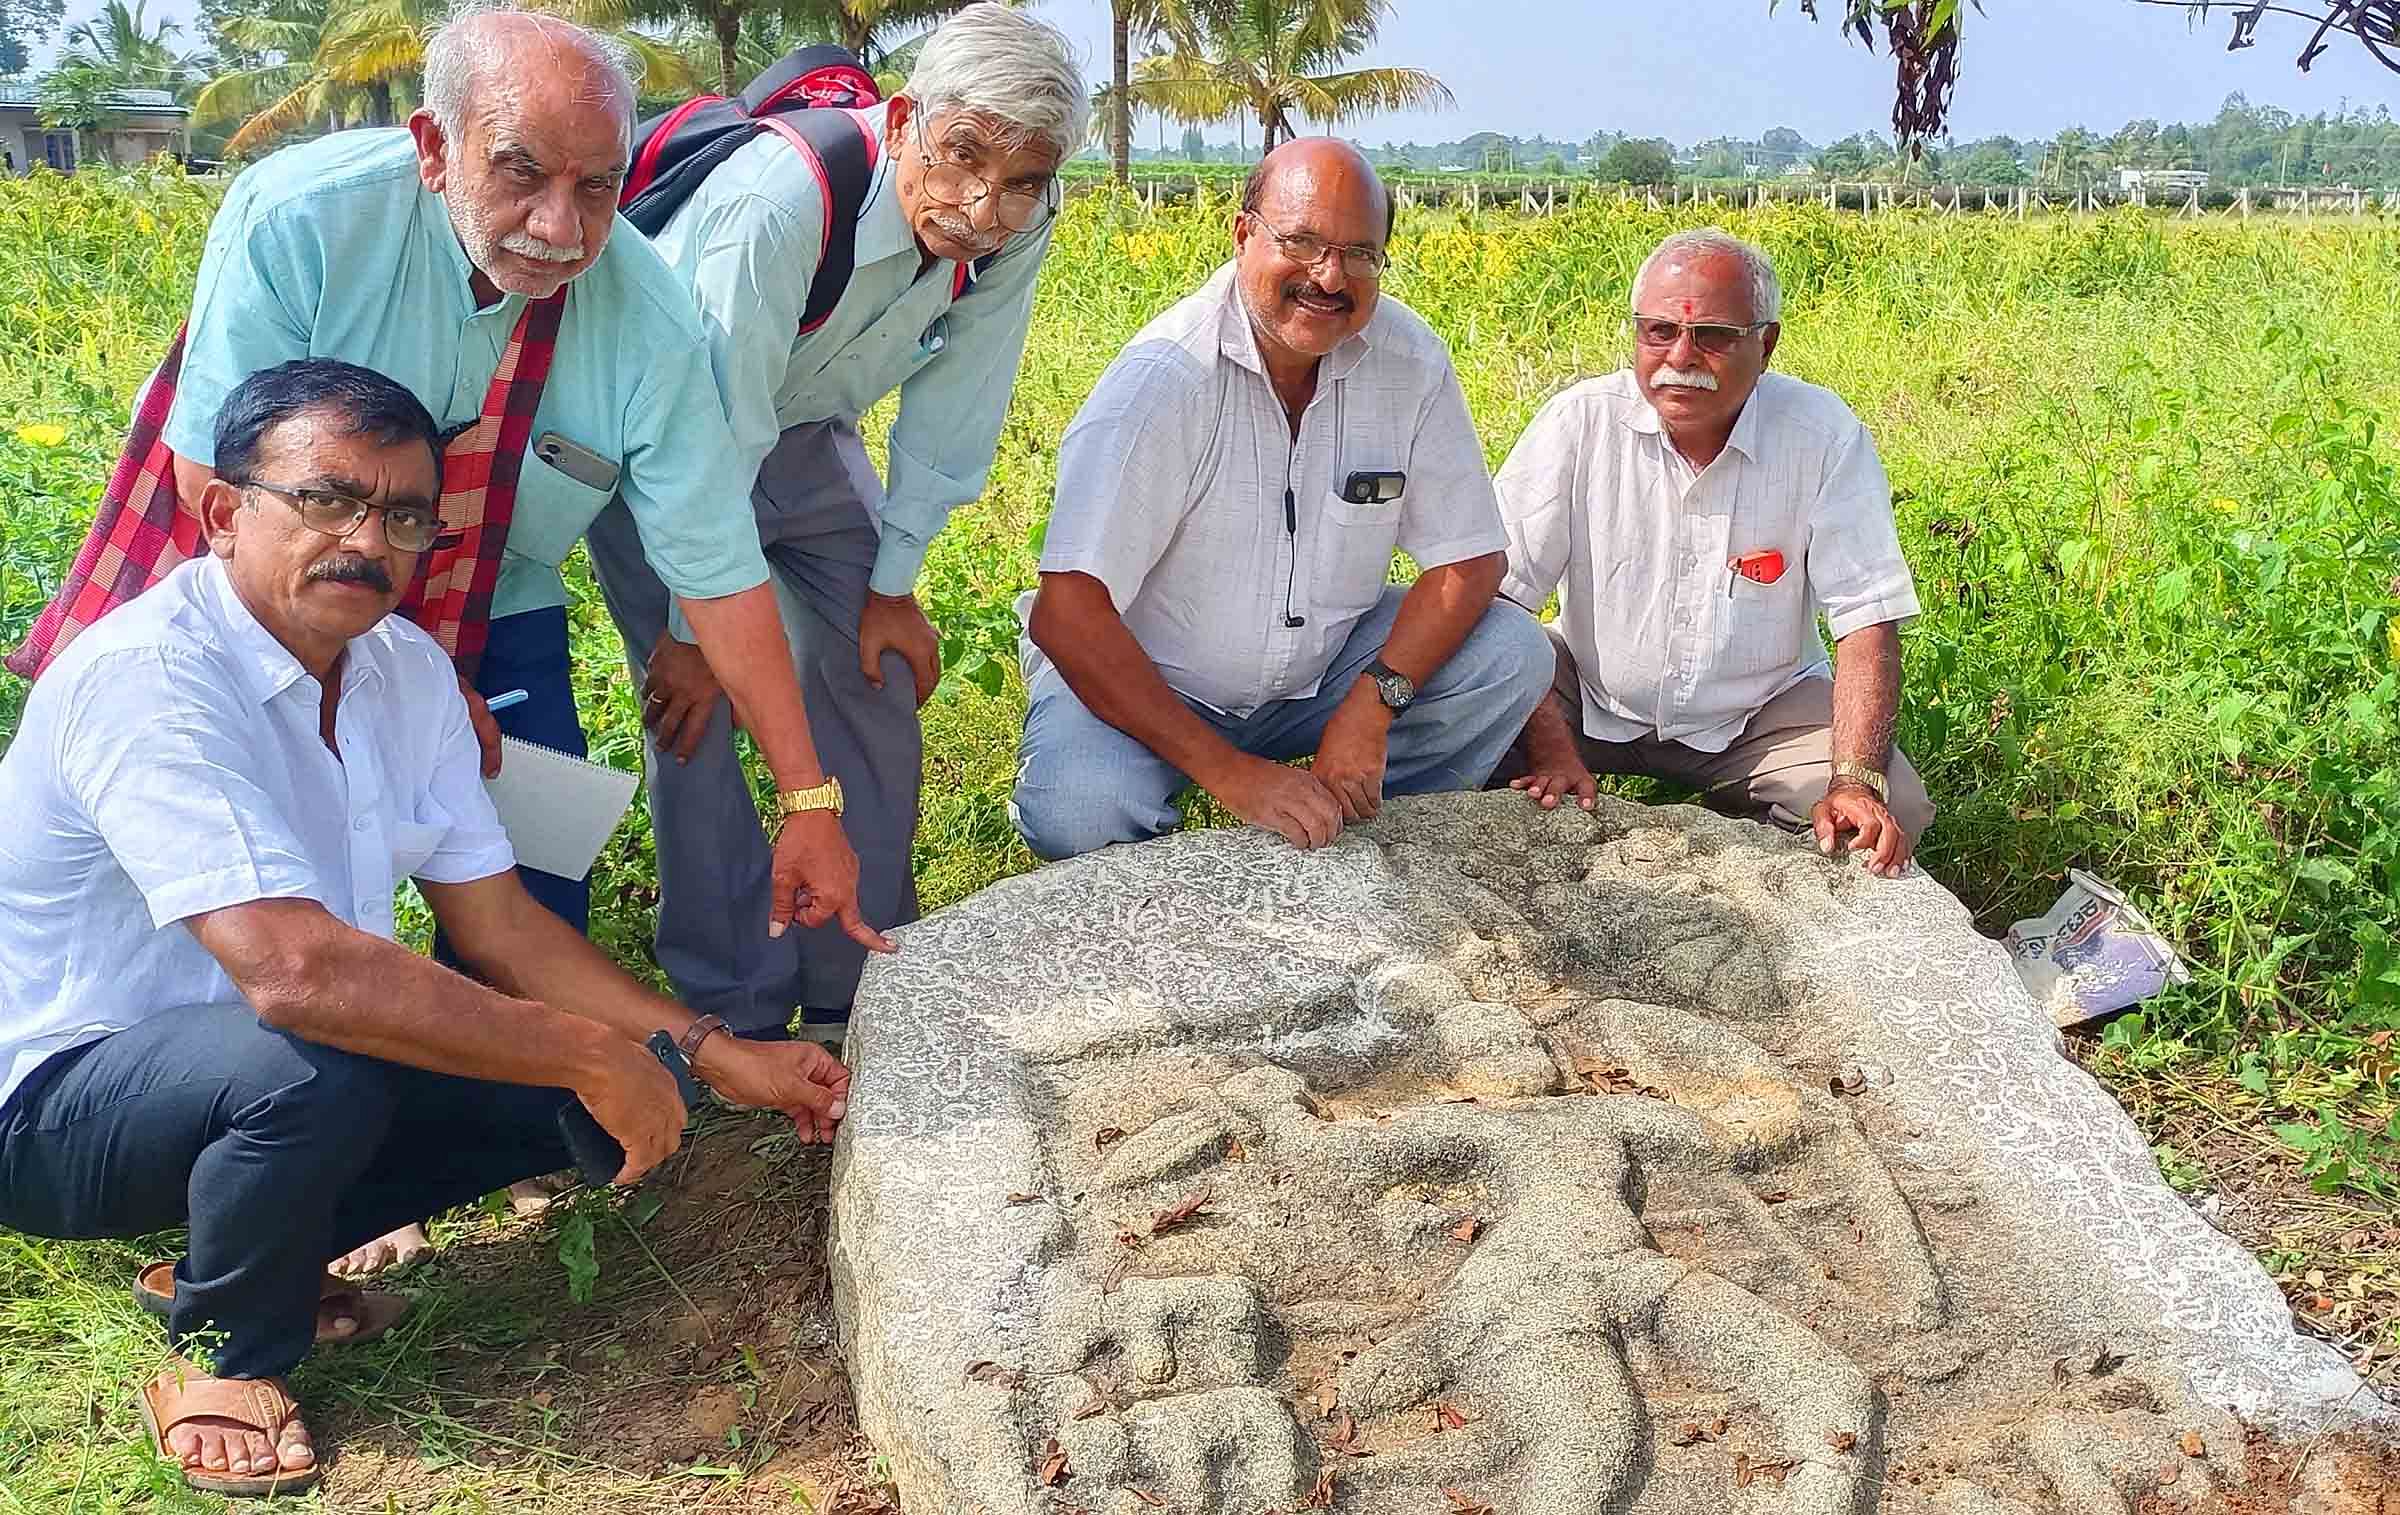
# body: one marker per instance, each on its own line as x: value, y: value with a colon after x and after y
x: 1711, y: 337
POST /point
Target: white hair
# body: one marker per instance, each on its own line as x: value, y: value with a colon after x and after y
x: 1766, y: 294
x: 1002, y: 63
x: 459, y: 55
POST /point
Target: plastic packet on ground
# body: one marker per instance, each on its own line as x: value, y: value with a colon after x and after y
x: 2092, y: 953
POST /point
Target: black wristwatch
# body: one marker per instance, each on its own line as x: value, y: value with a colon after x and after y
x: 1397, y: 689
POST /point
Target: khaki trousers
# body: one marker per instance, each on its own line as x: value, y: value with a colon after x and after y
x: 1775, y: 771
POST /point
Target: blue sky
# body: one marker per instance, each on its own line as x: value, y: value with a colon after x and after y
x: 1691, y: 69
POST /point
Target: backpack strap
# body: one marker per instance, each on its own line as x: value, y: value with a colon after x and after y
x: 840, y: 150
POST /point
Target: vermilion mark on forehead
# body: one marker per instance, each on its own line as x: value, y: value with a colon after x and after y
x: 1691, y: 308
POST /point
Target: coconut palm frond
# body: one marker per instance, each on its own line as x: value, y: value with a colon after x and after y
x: 1187, y: 96
x: 246, y: 91
x: 659, y: 67
x: 1334, y: 98
x: 295, y: 109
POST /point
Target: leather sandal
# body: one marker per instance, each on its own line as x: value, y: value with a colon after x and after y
x: 263, y: 1405
x: 375, y: 1311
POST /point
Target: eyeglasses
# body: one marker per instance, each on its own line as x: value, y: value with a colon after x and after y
x: 1709, y: 336
x: 1359, y: 261
x: 960, y: 187
x: 410, y: 528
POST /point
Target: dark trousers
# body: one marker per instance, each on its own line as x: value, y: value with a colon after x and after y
x: 528, y: 651
x: 280, y: 1154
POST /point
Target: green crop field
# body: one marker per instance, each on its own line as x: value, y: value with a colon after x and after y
x: 2155, y: 520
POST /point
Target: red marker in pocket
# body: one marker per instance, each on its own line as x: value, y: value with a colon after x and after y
x: 1764, y: 566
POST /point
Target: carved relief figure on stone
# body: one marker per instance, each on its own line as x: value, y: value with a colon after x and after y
x: 1695, y: 514
x: 1214, y: 591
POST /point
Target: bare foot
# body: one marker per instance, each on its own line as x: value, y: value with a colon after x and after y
x: 407, y: 1245
x: 211, y: 1444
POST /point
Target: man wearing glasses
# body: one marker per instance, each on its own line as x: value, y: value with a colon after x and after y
x: 204, y: 1018
x: 949, y: 241
x: 1696, y: 515
x: 1214, y: 596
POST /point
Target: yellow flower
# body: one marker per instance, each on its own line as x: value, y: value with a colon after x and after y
x: 42, y: 434
x: 2391, y: 637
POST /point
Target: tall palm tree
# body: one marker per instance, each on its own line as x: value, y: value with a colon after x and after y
x: 1129, y: 22
x: 122, y: 45
x: 1277, y: 59
x: 282, y: 88
x: 336, y: 51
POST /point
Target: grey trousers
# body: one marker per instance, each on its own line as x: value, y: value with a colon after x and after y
x: 1775, y: 771
x: 816, y: 499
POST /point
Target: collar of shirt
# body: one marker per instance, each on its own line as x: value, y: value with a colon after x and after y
x: 1237, y: 338
x: 267, y: 667
x: 883, y: 229
x: 1746, y: 426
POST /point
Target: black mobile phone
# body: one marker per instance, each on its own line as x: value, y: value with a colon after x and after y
x: 1374, y: 486
x: 576, y: 461
x: 597, y: 1154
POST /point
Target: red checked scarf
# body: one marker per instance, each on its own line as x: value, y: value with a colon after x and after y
x: 142, y: 530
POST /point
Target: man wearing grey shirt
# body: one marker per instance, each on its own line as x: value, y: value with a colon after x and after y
x: 950, y: 238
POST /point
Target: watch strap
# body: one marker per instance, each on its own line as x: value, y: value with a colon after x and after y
x: 696, y: 1033
x: 1873, y: 778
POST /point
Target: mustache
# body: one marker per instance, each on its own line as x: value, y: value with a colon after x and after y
x: 353, y: 571
x: 962, y: 231
x: 527, y: 245
x: 1299, y: 287
x: 1683, y: 378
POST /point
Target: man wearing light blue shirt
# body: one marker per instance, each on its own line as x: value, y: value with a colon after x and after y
x: 413, y: 253
x: 950, y: 239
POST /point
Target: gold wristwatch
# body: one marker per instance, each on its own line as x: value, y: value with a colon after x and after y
x: 825, y: 796
x: 1873, y: 778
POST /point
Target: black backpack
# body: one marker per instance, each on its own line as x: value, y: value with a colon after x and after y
x: 811, y: 99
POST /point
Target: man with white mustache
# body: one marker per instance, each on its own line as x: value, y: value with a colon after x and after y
x: 950, y: 237
x: 1696, y: 514
x: 414, y: 253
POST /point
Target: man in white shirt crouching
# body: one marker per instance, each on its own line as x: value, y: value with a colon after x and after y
x: 204, y: 1019
x: 1214, y: 595
x: 1696, y: 515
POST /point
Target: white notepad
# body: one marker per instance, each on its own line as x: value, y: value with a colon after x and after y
x: 558, y: 810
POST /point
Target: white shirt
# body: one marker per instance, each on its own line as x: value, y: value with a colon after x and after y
x: 169, y: 764
x: 1174, y: 478
x: 1668, y: 640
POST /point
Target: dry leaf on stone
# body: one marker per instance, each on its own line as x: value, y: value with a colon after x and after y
x: 1235, y: 1152
x: 1775, y: 1196
x: 1090, y: 1409
x: 1461, y: 1504
x: 2192, y: 1445
x: 1684, y: 1435
x: 1054, y: 1470
x: 1107, y: 1136
x: 1320, y: 1495
x: 1328, y: 1394
x: 1447, y: 1418
x: 1716, y: 1427
x: 995, y: 1375
x: 1156, y: 1502
x: 1020, y: 1199
x: 1180, y: 1213
x: 1842, y: 1441
x: 1128, y: 1238
x: 1345, y: 1436
x: 1466, y: 1229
